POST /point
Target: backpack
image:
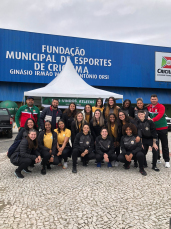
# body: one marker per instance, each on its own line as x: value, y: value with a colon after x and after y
x: 13, y: 147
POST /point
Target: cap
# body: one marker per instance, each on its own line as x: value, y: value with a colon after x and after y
x: 30, y: 97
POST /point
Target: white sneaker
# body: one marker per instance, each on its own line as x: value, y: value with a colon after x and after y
x: 167, y: 165
x: 158, y: 161
x: 116, y: 163
x: 65, y: 165
x: 113, y: 163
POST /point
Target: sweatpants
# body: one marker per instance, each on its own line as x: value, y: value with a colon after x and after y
x: 77, y: 153
x: 112, y: 157
x: 146, y: 143
x: 139, y: 156
x: 22, y: 163
x: 163, y: 137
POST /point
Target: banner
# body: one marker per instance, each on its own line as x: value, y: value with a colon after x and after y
x: 64, y: 102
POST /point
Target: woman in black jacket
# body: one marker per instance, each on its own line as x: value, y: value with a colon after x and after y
x: 69, y: 115
x: 131, y: 149
x: 140, y: 107
x: 77, y: 125
x: 26, y: 154
x: 83, y: 146
x: 29, y: 124
x: 47, y: 142
x: 96, y: 124
x: 112, y: 125
x: 127, y: 108
x: 105, y: 148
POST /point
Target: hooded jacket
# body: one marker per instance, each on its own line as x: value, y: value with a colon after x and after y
x: 83, y: 142
x: 129, y: 145
x: 147, y: 128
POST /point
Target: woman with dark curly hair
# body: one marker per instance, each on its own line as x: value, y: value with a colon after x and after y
x: 130, y: 148
x: 69, y: 115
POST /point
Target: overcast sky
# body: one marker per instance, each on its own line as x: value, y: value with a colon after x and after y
x: 132, y: 21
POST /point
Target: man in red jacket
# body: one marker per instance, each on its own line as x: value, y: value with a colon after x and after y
x: 157, y: 115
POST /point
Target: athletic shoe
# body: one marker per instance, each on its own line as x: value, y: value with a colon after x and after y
x: 126, y: 166
x: 156, y: 169
x: 143, y: 172
x: 26, y: 170
x: 43, y: 171
x: 60, y: 164
x: 135, y: 165
x: 167, y: 165
x: 74, y: 169
x: 65, y: 165
x: 109, y: 165
x: 99, y: 165
x: 48, y: 166
x: 18, y: 174
x: 158, y: 161
x: 116, y: 163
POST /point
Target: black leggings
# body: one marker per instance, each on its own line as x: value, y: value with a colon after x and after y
x: 66, y: 153
x: 139, y: 156
x: 23, y: 163
x: 46, y: 156
x: 77, y: 153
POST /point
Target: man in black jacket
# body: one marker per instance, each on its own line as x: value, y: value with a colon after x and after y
x: 83, y: 146
x: 149, y: 137
x: 52, y: 114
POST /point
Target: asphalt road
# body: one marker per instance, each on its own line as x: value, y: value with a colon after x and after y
x: 5, y: 142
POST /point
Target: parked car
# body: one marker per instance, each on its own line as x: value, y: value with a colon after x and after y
x: 6, y: 122
x: 168, y: 122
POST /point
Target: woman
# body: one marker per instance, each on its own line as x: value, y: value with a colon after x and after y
x: 26, y: 154
x: 113, y: 133
x: 123, y: 120
x: 87, y: 113
x: 140, y: 107
x: 96, y: 124
x: 47, y: 141
x: 29, y: 124
x: 110, y: 108
x: 69, y: 115
x: 63, y: 146
x: 127, y: 108
x: 83, y: 146
x: 105, y: 148
x: 98, y: 105
x: 77, y: 125
x: 131, y: 149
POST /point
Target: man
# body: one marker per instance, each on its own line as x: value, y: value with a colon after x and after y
x: 27, y: 111
x: 157, y: 115
x: 149, y: 137
x: 52, y: 114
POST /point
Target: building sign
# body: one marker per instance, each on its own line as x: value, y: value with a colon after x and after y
x: 163, y: 66
x: 66, y: 101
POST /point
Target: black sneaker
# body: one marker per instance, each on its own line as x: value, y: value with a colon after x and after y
x: 43, y: 171
x: 48, y: 166
x: 135, y: 165
x: 143, y: 172
x: 74, y: 169
x: 126, y: 166
x: 26, y: 170
x: 156, y: 169
x: 18, y: 174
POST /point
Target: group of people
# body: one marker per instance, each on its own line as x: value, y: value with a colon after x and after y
x: 108, y: 134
